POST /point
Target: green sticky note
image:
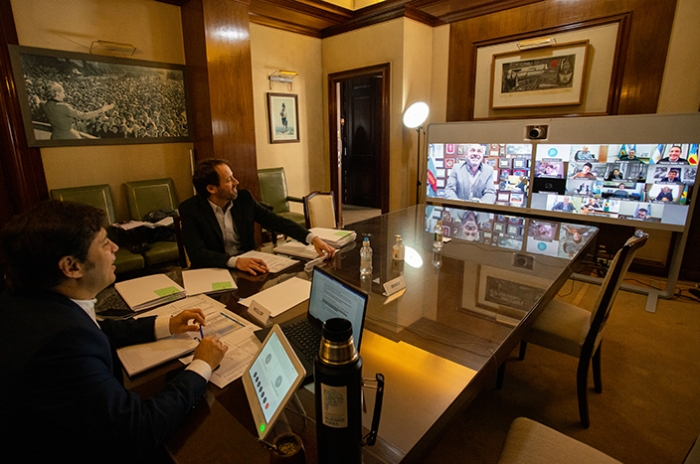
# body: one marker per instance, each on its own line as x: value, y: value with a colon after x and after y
x: 342, y: 233
x: 166, y: 291
x: 221, y: 285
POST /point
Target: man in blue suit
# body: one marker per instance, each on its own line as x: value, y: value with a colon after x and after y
x: 218, y: 223
x: 61, y: 383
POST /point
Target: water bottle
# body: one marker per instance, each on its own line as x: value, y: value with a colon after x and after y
x: 338, y: 392
x: 437, y: 237
x: 365, y: 258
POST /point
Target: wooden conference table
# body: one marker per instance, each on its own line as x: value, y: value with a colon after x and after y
x: 438, y: 343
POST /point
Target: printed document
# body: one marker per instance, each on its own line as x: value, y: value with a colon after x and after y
x: 281, y: 297
x: 274, y: 263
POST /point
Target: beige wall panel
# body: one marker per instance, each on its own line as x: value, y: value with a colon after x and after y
x: 381, y: 43
x: 680, y: 88
x: 155, y: 30
x: 441, y: 58
x: 305, y: 163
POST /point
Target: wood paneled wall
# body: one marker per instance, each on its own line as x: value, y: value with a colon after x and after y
x: 217, y: 52
x: 639, y: 71
x: 22, y: 180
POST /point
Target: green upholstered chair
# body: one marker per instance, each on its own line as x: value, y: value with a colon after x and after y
x: 273, y: 192
x: 146, y: 196
x: 100, y: 196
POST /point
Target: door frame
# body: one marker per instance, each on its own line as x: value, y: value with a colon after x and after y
x: 336, y: 160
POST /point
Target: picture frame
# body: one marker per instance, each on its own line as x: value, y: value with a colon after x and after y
x: 74, y: 99
x: 283, y: 117
x: 540, y: 77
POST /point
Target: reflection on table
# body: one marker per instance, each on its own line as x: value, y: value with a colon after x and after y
x: 438, y: 343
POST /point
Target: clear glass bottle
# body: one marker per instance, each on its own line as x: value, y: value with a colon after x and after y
x: 366, y: 258
x: 399, y: 250
x: 437, y: 236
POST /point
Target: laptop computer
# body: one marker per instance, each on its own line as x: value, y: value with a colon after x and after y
x: 330, y: 297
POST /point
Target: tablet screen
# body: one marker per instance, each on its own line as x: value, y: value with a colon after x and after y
x: 271, y: 379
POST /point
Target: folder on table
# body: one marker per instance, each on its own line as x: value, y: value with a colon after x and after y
x: 149, y: 291
x: 209, y: 280
x: 334, y: 237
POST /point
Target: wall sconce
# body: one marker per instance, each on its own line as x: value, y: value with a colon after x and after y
x: 104, y: 47
x: 283, y: 76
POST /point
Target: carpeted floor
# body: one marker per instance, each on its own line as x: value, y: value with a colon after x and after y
x: 649, y: 411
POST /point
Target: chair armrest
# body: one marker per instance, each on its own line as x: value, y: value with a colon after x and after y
x: 296, y: 199
x: 266, y: 205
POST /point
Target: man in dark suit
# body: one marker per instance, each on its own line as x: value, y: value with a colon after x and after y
x: 218, y: 222
x: 61, y: 383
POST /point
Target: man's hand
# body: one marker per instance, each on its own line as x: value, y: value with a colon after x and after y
x: 211, y: 351
x: 253, y: 266
x: 322, y: 248
x: 180, y: 323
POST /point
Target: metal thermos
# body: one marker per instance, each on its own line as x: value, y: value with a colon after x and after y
x: 338, y: 389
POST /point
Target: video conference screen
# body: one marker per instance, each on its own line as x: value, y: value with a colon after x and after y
x: 650, y: 182
x: 645, y: 182
x: 485, y: 173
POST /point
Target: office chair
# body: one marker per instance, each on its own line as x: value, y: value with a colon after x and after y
x: 144, y: 197
x: 319, y: 210
x: 100, y: 196
x: 574, y: 331
x: 273, y: 192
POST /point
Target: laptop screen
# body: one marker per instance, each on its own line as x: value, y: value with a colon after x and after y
x: 331, y: 298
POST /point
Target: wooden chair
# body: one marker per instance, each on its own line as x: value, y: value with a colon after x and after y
x: 144, y: 197
x: 319, y: 210
x: 100, y: 196
x: 577, y: 332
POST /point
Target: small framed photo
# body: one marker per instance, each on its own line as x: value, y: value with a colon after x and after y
x: 283, y: 117
x: 503, y: 196
x: 504, y: 163
x: 499, y: 227
x: 520, y: 163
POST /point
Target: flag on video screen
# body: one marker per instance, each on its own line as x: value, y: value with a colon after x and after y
x: 693, y: 154
x: 623, y: 151
x: 684, y: 195
x: 657, y: 154
x: 432, y: 179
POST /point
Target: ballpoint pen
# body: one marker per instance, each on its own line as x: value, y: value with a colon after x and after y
x: 201, y: 332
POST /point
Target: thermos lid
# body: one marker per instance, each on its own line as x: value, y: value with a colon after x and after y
x: 337, y: 330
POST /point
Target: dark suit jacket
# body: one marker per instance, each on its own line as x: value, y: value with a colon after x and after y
x: 60, y: 399
x: 204, y: 240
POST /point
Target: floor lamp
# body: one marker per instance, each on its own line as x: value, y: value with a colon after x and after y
x: 413, y: 118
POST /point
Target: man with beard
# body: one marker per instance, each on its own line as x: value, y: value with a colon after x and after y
x: 472, y: 180
x: 218, y: 223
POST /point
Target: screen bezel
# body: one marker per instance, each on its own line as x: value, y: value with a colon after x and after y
x: 255, y: 408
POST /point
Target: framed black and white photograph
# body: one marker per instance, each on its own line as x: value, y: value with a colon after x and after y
x: 283, y: 117
x: 71, y: 98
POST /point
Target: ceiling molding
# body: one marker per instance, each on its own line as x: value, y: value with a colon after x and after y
x: 317, y: 18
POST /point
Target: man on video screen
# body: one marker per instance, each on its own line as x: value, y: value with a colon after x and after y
x: 674, y: 156
x: 472, y: 179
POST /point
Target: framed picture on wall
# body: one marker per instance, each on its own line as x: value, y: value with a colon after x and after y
x: 71, y: 98
x: 547, y: 76
x: 283, y: 117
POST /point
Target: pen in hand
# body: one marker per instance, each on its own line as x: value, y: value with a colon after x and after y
x: 201, y: 332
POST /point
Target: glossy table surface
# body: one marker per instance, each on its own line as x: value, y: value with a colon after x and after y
x: 438, y: 343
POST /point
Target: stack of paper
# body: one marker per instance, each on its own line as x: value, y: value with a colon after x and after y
x: 218, y: 321
x: 273, y: 262
x: 208, y: 280
x: 294, y: 248
x: 149, y: 291
x: 335, y: 237
x: 281, y: 297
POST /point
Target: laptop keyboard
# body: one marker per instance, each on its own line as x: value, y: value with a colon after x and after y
x: 307, y: 337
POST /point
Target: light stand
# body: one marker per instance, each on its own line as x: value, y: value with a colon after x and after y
x: 413, y: 118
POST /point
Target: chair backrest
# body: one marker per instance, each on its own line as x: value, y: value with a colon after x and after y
x: 183, y: 258
x: 319, y: 210
x: 99, y: 196
x: 611, y: 284
x: 150, y: 195
x: 273, y: 189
